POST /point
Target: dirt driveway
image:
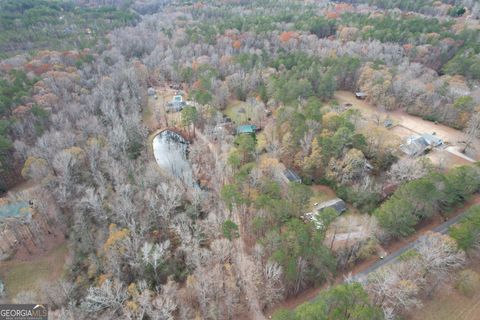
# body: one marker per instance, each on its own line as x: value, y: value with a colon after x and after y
x: 407, y: 125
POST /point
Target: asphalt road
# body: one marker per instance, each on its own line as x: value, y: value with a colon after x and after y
x: 443, y: 228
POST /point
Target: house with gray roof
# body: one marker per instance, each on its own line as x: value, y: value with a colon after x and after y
x: 418, y: 145
x: 177, y: 104
x: 291, y: 176
x: 336, y: 204
x: 432, y: 140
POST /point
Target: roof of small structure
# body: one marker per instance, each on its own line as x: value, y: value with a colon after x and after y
x: 247, y: 128
x: 292, y: 176
x: 337, y: 204
x: 388, y: 123
x: 14, y: 209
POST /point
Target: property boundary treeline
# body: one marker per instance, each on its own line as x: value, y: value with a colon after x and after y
x: 418, y: 200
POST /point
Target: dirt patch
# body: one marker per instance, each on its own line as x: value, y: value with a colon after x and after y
x: 444, y: 159
x: 323, y: 192
x: 350, y: 229
x: 402, y: 132
x: 30, y: 252
x: 26, y: 185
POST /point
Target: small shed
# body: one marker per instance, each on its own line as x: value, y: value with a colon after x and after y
x: 360, y: 95
x: 337, y: 204
x: 247, y: 128
x: 291, y: 176
x: 388, y: 123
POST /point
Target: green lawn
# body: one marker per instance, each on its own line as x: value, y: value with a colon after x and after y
x: 239, y: 112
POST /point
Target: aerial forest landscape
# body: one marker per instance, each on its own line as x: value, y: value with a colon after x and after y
x: 240, y: 159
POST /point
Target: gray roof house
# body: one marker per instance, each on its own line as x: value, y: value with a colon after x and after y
x: 336, y: 204
x: 432, y: 139
x: 418, y: 145
x: 291, y: 176
x: 176, y: 104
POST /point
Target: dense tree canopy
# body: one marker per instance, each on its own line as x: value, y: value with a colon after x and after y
x: 342, y: 302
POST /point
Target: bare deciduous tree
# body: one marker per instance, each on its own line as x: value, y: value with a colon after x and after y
x: 109, y: 296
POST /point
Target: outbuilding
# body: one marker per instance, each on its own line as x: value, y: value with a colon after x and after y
x: 337, y: 204
x: 151, y: 91
x: 360, y: 95
x: 177, y: 104
x: 247, y: 129
x: 291, y: 176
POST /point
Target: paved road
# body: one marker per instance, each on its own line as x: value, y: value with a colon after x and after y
x: 443, y: 228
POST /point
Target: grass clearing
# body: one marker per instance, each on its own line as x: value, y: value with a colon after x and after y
x: 20, y: 275
x: 148, y: 112
x: 240, y: 112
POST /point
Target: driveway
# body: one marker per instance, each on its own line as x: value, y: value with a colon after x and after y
x: 410, y: 123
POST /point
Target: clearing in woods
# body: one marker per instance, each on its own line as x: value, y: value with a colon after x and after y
x: 27, y: 275
x: 407, y: 125
x: 240, y: 112
x: 413, y: 123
